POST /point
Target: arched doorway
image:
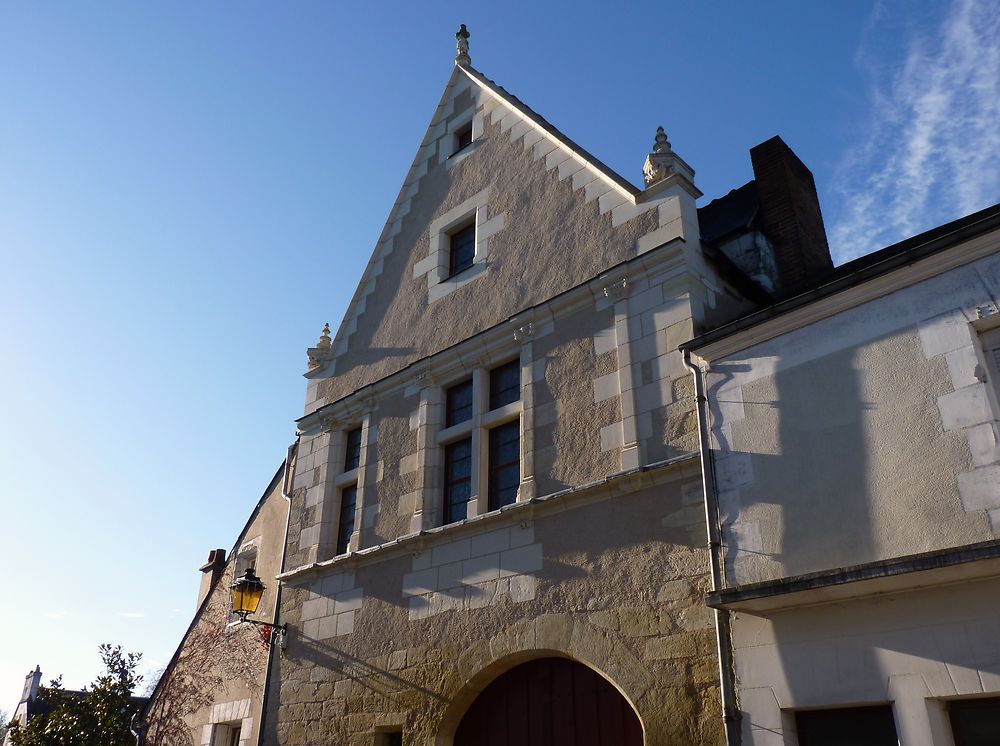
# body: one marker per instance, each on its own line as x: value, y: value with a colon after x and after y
x: 549, y: 702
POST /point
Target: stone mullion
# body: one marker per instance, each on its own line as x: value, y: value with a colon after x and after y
x: 479, y: 501
x: 327, y: 501
x: 630, y: 455
x: 526, y: 490
x: 368, y: 433
x: 430, y: 418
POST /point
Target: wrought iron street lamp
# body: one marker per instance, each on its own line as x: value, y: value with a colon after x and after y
x: 246, y: 594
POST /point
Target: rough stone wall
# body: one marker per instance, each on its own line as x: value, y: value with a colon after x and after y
x: 567, y: 419
x: 395, y: 474
x: 553, y: 238
x: 616, y: 583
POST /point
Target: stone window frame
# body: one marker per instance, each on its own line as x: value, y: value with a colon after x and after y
x: 477, y: 428
x: 345, y: 479
x: 468, y: 118
x: 223, y: 718
x: 436, y: 265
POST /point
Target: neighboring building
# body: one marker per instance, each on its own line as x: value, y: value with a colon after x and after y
x: 40, y: 701
x: 211, y: 692
x: 29, y: 701
x: 857, y: 474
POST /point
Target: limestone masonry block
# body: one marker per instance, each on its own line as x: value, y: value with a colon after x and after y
x: 490, y: 542
x: 980, y: 488
x: 521, y: 561
x: 945, y: 333
x: 964, y: 408
x: 423, y: 581
x: 451, y: 552
x: 481, y: 569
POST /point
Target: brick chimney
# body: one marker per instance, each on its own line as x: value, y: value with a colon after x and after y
x: 790, y: 215
x: 211, y: 571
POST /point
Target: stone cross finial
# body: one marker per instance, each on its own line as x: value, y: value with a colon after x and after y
x: 462, y: 46
x: 324, y: 339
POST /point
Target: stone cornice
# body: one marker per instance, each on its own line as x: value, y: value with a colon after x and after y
x: 498, y: 340
x: 612, y: 486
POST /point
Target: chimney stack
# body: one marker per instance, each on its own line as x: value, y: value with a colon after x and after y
x: 31, y: 683
x: 211, y: 571
x: 790, y: 215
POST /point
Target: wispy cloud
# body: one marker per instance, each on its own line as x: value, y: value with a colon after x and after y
x: 132, y: 614
x: 931, y: 151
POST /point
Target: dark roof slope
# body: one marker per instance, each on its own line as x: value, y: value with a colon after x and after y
x: 729, y: 214
x: 865, y: 268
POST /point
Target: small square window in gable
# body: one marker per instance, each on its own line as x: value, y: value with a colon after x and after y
x: 458, y: 246
x: 463, y: 138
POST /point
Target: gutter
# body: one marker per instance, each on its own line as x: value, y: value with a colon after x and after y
x: 286, y: 483
x: 731, y: 714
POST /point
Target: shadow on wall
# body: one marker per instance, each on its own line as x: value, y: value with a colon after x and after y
x: 793, y: 469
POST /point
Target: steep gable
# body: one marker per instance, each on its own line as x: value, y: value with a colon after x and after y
x: 548, y: 217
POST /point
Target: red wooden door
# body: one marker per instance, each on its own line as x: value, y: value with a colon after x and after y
x: 550, y: 702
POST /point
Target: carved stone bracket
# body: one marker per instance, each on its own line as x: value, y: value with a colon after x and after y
x: 524, y: 332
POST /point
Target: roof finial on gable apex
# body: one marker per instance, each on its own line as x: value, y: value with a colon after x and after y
x: 462, y: 46
x: 664, y: 162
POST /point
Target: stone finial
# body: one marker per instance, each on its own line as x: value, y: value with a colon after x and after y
x: 462, y: 46
x: 324, y: 338
x: 664, y: 162
x: 662, y: 144
x: 321, y: 353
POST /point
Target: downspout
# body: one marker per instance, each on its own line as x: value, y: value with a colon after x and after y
x: 723, y: 627
x: 282, y: 638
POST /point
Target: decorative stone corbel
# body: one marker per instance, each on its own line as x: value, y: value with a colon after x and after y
x: 524, y: 332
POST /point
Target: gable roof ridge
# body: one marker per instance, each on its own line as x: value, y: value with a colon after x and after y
x: 543, y: 124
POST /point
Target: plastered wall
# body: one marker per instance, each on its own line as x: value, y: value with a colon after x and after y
x: 914, y: 650
x: 862, y: 436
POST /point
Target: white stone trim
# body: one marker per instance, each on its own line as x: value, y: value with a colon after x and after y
x: 435, y: 264
x: 474, y: 571
x: 331, y: 607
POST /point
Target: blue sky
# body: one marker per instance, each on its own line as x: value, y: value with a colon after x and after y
x: 189, y: 191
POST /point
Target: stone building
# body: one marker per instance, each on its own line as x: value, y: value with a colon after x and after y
x: 857, y: 485
x: 497, y: 488
x: 587, y: 464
